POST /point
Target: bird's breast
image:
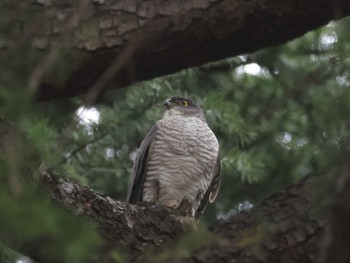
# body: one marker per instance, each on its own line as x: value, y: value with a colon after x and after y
x: 185, y: 136
x: 182, y: 161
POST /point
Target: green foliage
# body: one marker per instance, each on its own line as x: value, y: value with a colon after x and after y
x: 279, y: 114
x: 27, y: 214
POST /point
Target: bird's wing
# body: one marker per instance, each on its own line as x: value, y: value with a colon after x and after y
x: 140, y: 167
x: 212, y: 191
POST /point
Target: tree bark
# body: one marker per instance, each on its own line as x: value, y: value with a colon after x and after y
x: 336, y: 240
x: 113, y: 44
x: 286, y: 227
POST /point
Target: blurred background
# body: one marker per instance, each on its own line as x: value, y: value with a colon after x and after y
x: 280, y: 114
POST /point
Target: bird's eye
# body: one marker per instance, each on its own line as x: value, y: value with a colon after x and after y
x: 184, y: 103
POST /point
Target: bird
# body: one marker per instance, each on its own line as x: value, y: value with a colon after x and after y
x: 177, y: 164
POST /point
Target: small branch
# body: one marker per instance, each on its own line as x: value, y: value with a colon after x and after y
x: 78, y: 149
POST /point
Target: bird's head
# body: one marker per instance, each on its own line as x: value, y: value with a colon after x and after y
x: 185, y: 107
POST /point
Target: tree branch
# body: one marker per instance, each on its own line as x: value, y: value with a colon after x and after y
x: 136, y: 226
x: 285, y: 227
x: 336, y: 240
x: 115, y: 41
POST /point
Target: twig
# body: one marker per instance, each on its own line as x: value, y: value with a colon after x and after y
x: 78, y: 149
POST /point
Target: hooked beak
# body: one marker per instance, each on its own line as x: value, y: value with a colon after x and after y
x: 168, y: 103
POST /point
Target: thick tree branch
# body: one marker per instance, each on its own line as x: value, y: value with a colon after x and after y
x: 136, y: 226
x: 117, y: 43
x: 286, y: 227
x: 336, y: 240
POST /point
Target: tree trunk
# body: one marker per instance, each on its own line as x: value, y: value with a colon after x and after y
x: 112, y: 44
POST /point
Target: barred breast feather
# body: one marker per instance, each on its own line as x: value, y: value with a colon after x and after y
x: 177, y: 165
x: 180, y: 166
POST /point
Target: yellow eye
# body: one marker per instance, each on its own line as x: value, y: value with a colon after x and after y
x: 184, y: 103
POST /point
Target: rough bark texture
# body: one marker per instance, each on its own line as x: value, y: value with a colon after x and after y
x: 286, y: 227
x: 135, y: 226
x: 117, y: 43
x: 335, y: 243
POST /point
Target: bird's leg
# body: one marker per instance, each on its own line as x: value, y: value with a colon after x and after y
x: 186, y: 206
x: 188, y: 222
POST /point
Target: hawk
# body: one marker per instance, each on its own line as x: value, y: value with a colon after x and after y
x: 177, y: 164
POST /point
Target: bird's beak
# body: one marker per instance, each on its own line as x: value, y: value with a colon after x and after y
x: 167, y: 103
